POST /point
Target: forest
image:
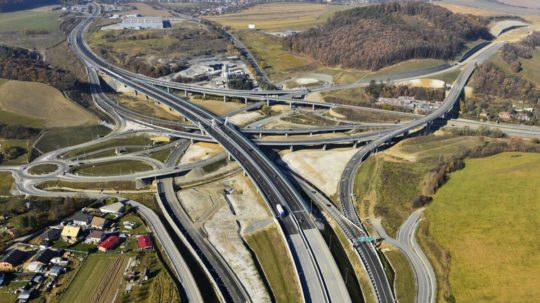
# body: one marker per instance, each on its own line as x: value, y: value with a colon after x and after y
x: 376, y: 36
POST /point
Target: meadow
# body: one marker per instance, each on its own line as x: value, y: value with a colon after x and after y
x: 486, y: 217
x: 279, y: 16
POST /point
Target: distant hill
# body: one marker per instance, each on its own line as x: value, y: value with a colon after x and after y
x: 16, y: 5
x: 376, y: 36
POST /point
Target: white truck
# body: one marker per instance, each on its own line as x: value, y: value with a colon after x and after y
x: 280, y: 210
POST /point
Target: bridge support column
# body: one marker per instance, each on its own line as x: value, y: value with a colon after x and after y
x: 245, y: 100
x: 267, y: 102
x: 146, y: 97
x: 204, y: 96
x: 291, y: 148
x: 324, y: 147
x: 168, y: 89
x: 286, y: 135
x: 136, y: 93
x: 312, y: 106
x: 229, y: 157
x: 224, y: 98
x: 260, y: 135
x: 191, y: 141
x: 290, y: 104
x: 185, y: 93
x: 245, y: 173
x: 311, y: 134
x: 355, y: 144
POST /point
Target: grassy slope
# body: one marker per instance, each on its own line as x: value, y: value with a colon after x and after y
x: 404, y: 283
x: 62, y: 137
x: 29, y: 20
x: 390, y: 186
x: 279, y: 16
x: 269, y: 248
x: 43, y: 102
x: 134, y: 140
x: 486, y: 217
x: 112, y: 168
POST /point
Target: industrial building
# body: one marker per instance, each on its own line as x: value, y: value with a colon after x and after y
x: 142, y: 22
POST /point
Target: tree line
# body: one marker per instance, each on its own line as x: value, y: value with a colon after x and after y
x: 376, y: 36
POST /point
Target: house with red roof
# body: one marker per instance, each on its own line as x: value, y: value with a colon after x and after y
x: 145, y: 243
x: 109, y: 243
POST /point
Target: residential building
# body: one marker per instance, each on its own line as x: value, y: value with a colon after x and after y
x: 40, y: 260
x: 98, y: 223
x: 94, y: 237
x: 81, y: 219
x: 108, y: 243
x: 145, y: 243
x: 56, y: 271
x: 59, y: 261
x: 13, y: 259
x: 71, y: 234
x: 48, y: 236
x: 115, y: 208
x: 129, y: 225
x: 505, y: 116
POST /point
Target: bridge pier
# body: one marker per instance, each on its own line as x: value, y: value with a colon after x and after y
x: 312, y: 106
x: 355, y: 145
x: 245, y: 100
x: 286, y: 134
x: 267, y: 102
x: 324, y: 147
x: 224, y: 98
x: 204, y: 96
x: 290, y: 104
x: 260, y: 135
x: 311, y: 134
x: 185, y: 93
x: 136, y: 93
x: 146, y: 97
x: 291, y: 148
x: 168, y: 90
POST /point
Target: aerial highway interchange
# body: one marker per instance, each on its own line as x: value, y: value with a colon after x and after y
x: 315, y: 268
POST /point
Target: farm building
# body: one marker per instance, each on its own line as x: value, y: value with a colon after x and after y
x: 144, y: 242
x: 108, y: 243
x: 142, y: 22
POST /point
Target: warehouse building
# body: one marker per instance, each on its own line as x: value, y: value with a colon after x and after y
x: 142, y: 22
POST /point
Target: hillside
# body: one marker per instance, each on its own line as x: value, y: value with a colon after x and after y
x: 43, y: 102
x: 15, y: 5
x: 376, y: 36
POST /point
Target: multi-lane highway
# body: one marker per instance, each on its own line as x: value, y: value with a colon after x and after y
x: 320, y: 280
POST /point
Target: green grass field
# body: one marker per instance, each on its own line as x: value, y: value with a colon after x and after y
x: 10, y: 118
x: 43, y: 169
x: 486, y: 216
x: 390, y: 181
x: 6, y: 181
x: 531, y: 67
x: 90, y: 275
x: 134, y: 140
x: 61, y: 137
x: 404, y: 275
x: 279, y: 16
x: 112, y: 168
x: 29, y: 20
x: 22, y: 159
x: 269, y: 248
